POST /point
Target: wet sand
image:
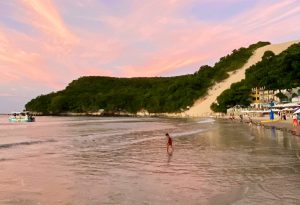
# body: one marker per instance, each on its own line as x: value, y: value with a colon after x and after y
x: 284, y: 125
x: 88, y: 160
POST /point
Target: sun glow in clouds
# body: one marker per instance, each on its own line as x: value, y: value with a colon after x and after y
x: 44, y: 45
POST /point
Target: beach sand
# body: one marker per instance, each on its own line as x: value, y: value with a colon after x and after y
x: 201, y: 107
x: 285, y: 125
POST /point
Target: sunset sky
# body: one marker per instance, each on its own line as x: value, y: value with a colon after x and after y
x: 45, y: 44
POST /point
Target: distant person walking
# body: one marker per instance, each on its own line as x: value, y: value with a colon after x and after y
x: 249, y: 119
x: 231, y: 116
x: 241, y: 118
x: 271, y: 115
x: 169, y: 144
x: 295, y: 121
x: 284, y: 116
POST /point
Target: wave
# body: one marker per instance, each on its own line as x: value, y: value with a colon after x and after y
x: 6, y: 146
x: 209, y: 120
x: 183, y: 134
x: 174, y: 135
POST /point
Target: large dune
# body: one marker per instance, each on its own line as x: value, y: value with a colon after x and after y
x: 202, y: 106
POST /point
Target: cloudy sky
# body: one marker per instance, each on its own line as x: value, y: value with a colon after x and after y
x: 45, y: 44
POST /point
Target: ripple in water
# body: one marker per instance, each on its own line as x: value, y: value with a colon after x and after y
x: 124, y: 161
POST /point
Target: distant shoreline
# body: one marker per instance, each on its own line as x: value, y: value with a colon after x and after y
x: 284, y: 125
x: 103, y: 114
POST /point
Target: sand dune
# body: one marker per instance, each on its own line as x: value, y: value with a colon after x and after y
x: 202, y: 106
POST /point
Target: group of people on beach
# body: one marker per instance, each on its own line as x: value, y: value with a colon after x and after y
x: 296, y: 122
x: 282, y: 115
x: 243, y: 118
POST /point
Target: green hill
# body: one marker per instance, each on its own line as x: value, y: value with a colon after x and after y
x: 273, y: 72
x: 155, y: 94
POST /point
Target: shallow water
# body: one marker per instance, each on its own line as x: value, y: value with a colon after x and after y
x: 89, y: 160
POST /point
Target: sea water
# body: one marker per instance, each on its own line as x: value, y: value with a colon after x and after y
x: 95, y: 160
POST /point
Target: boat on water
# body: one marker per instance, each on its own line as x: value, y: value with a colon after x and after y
x: 21, y: 117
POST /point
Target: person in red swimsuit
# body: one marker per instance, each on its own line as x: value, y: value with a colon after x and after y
x: 169, y: 144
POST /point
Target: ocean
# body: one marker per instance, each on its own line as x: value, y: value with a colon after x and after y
x: 97, y: 160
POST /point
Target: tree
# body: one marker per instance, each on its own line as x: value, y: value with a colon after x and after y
x: 157, y: 94
x: 281, y: 96
x: 58, y: 104
x: 268, y: 55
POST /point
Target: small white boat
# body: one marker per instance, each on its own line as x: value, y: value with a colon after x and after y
x: 21, y: 117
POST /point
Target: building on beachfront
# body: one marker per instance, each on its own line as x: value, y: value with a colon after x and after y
x: 262, y: 98
x: 263, y: 101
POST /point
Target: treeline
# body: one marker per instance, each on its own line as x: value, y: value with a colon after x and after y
x: 273, y: 72
x: 155, y: 94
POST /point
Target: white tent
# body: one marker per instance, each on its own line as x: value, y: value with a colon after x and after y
x: 287, y: 105
x: 260, y: 111
x: 288, y: 109
x: 297, y: 111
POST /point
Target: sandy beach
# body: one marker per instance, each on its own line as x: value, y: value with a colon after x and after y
x: 285, y: 125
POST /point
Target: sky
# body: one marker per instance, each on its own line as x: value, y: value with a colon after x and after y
x: 45, y: 44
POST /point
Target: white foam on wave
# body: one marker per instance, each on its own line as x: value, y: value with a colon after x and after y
x: 208, y: 120
x: 183, y: 134
x: 140, y: 140
x: 173, y: 135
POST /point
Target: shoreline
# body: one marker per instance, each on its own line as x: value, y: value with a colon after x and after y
x: 284, y: 125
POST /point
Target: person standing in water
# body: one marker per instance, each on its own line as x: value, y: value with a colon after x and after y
x: 169, y: 144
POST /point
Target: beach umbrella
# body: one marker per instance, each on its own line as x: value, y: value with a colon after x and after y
x: 288, y: 109
x: 297, y: 111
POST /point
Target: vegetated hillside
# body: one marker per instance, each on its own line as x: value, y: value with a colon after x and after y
x: 273, y: 72
x: 156, y: 94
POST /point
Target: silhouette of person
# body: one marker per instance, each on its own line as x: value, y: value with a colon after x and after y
x: 169, y: 144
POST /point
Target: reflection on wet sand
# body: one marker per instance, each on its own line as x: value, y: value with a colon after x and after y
x: 280, y: 137
x: 296, y: 130
x: 169, y: 156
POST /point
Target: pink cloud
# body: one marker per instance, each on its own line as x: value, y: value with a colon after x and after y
x: 6, y: 95
x: 96, y: 72
x: 150, y: 38
x: 45, y: 17
x: 263, y: 14
x: 19, y: 64
x: 182, y: 42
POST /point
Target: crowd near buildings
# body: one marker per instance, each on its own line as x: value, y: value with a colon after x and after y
x: 283, y: 104
x: 262, y: 98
